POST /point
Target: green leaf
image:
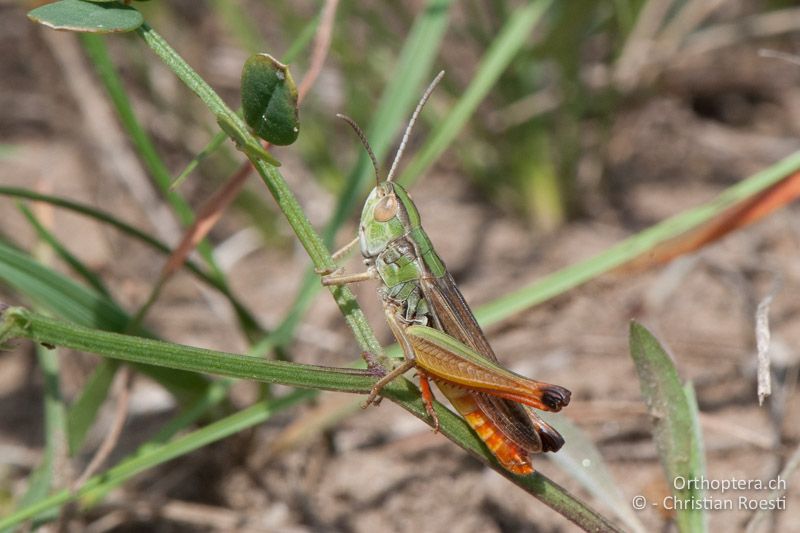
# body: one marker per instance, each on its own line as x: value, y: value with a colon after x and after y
x: 83, y: 412
x: 68, y: 299
x: 674, y: 429
x: 40, y: 481
x: 58, y: 293
x: 81, y: 16
x: 269, y: 99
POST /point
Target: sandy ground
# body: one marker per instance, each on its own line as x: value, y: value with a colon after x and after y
x: 719, y: 118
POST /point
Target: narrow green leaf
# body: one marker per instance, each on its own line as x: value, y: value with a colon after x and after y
x: 41, y: 480
x: 76, y: 264
x: 215, y: 142
x: 698, y: 458
x: 81, y: 16
x: 574, y: 275
x: 66, y: 298
x: 150, y: 456
x: 83, y: 412
x: 57, y: 293
x: 245, y: 316
x: 269, y: 99
x: 674, y: 427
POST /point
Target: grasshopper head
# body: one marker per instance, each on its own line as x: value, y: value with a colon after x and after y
x: 389, y: 213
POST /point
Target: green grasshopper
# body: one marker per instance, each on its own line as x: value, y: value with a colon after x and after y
x: 437, y: 331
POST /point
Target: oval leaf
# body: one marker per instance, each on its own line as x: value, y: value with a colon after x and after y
x: 269, y: 99
x: 77, y: 15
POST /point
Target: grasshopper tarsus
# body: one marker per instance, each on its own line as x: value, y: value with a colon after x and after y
x: 374, y: 367
x: 328, y: 271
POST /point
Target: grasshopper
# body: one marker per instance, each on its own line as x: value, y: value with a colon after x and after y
x: 437, y: 331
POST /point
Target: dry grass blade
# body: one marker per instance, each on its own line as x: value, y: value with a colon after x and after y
x: 762, y: 342
x: 747, y: 212
x: 122, y: 389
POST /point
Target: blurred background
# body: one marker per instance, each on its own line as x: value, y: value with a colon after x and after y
x: 608, y: 117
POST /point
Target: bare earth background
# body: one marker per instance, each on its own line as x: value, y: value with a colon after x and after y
x: 720, y: 117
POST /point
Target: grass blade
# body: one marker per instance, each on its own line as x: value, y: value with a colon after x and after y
x: 83, y: 411
x: 76, y: 264
x: 41, y: 480
x: 245, y: 316
x: 570, y: 277
x: 66, y: 298
x: 150, y: 456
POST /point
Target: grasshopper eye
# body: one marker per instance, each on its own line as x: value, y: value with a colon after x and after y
x: 386, y: 209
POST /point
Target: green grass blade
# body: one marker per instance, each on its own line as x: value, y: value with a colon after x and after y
x: 674, y: 426
x: 66, y: 298
x: 216, y: 393
x: 41, y: 480
x: 83, y: 412
x: 76, y: 264
x: 57, y: 293
x: 150, y: 456
x: 245, y: 316
x: 698, y: 457
x: 579, y: 273
x: 211, y: 147
x: 511, y: 38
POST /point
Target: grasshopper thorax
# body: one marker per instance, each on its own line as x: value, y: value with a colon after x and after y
x: 389, y: 213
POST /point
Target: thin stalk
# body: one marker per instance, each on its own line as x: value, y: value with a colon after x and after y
x: 20, y: 323
x: 286, y: 201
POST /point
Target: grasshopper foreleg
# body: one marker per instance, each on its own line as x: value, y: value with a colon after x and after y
x: 337, y: 279
x: 337, y: 255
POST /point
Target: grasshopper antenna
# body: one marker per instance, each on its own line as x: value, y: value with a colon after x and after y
x: 411, y: 122
x: 364, y: 141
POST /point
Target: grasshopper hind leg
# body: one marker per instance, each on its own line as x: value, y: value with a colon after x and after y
x: 427, y: 399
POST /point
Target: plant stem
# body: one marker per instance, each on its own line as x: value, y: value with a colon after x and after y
x: 286, y: 201
x: 18, y: 322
